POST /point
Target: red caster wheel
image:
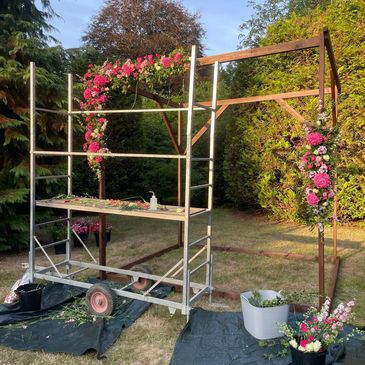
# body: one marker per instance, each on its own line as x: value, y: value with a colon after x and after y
x: 101, y: 300
x: 142, y: 284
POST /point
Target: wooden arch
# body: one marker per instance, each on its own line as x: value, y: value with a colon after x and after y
x: 323, y: 43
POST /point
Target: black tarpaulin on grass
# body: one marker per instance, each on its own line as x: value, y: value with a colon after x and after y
x: 37, y: 331
x: 220, y: 338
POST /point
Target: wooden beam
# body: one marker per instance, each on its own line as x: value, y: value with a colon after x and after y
x: 259, y: 98
x: 335, y: 272
x: 334, y: 111
x: 260, y: 51
x: 290, y: 110
x: 169, y: 129
x: 331, y: 57
x: 203, y: 129
x: 322, y: 70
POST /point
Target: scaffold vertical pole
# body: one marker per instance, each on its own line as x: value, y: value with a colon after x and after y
x: 186, y: 276
x: 69, y: 160
x: 211, y: 178
x: 32, y: 144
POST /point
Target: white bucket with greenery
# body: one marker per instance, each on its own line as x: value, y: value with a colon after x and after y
x: 262, y: 311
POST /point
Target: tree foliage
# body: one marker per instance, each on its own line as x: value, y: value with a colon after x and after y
x: 261, y: 159
x: 270, y: 11
x: 131, y: 28
x: 23, y: 38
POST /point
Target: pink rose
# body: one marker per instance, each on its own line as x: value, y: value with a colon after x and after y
x: 94, y: 147
x: 303, y: 343
x: 87, y: 135
x: 322, y: 180
x: 312, y: 199
x: 177, y: 58
x: 99, y: 159
x: 310, y: 166
x: 100, y: 80
x: 166, y: 62
x: 87, y: 94
x: 303, y: 328
x: 314, y: 138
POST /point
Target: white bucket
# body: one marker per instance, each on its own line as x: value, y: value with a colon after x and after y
x: 261, y: 323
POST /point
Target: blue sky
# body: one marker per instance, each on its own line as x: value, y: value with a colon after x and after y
x: 220, y: 19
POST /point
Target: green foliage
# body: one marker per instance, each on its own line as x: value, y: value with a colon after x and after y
x: 23, y: 39
x: 257, y: 301
x: 262, y: 151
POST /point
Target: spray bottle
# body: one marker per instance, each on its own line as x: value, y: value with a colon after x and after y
x: 153, y: 201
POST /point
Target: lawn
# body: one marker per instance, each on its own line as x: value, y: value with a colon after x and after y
x: 151, y: 339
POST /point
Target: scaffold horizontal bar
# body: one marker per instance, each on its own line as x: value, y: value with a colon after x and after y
x: 123, y: 293
x: 168, y: 280
x: 52, y: 177
x: 142, y: 155
x: 199, y: 267
x: 202, y: 186
x: 199, y: 240
x: 201, y: 159
x: 51, y: 111
x: 52, y: 244
x: 200, y: 213
x: 47, y: 268
x: 120, y: 111
x: 199, y: 294
x: 51, y: 222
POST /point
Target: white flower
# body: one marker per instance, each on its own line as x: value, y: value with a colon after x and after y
x: 301, y: 348
x: 293, y: 343
x: 315, y: 152
x: 317, y: 346
x: 308, y: 146
x: 315, y: 191
x: 326, y: 157
x: 318, y: 122
x: 309, y: 347
x: 325, y: 204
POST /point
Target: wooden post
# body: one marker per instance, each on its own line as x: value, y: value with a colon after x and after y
x: 179, y: 179
x: 102, y: 226
x: 334, y: 123
x: 321, y: 273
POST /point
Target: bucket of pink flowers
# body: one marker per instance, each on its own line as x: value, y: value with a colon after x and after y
x: 81, y: 228
x: 94, y: 227
x: 319, y: 330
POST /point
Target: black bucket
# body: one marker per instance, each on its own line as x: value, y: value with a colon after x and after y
x: 30, y: 296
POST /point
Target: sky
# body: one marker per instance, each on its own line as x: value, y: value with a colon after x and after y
x: 220, y: 19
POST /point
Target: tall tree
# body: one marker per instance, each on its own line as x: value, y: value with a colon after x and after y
x: 131, y: 28
x: 23, y: 37
x: 269, y: 12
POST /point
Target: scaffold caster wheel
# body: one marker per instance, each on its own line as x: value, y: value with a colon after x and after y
x: 101, y: 300
x: 138, y: 283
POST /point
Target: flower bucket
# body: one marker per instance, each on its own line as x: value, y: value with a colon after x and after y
x: 261, y: 323
x: 108, y: 235
x: 30, y: 296
x: 83, y: 237
x: 307, y: 358
x: 60, y: 249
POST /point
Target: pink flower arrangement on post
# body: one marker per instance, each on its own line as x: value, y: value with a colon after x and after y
x: 319, y: 329
x: 318, y: 168
x: 151, y: 70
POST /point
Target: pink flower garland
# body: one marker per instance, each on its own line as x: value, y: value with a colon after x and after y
x: 318, y: 169
x: 150, y: 70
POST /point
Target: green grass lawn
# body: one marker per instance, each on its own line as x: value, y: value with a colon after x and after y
x: 151, y: 339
